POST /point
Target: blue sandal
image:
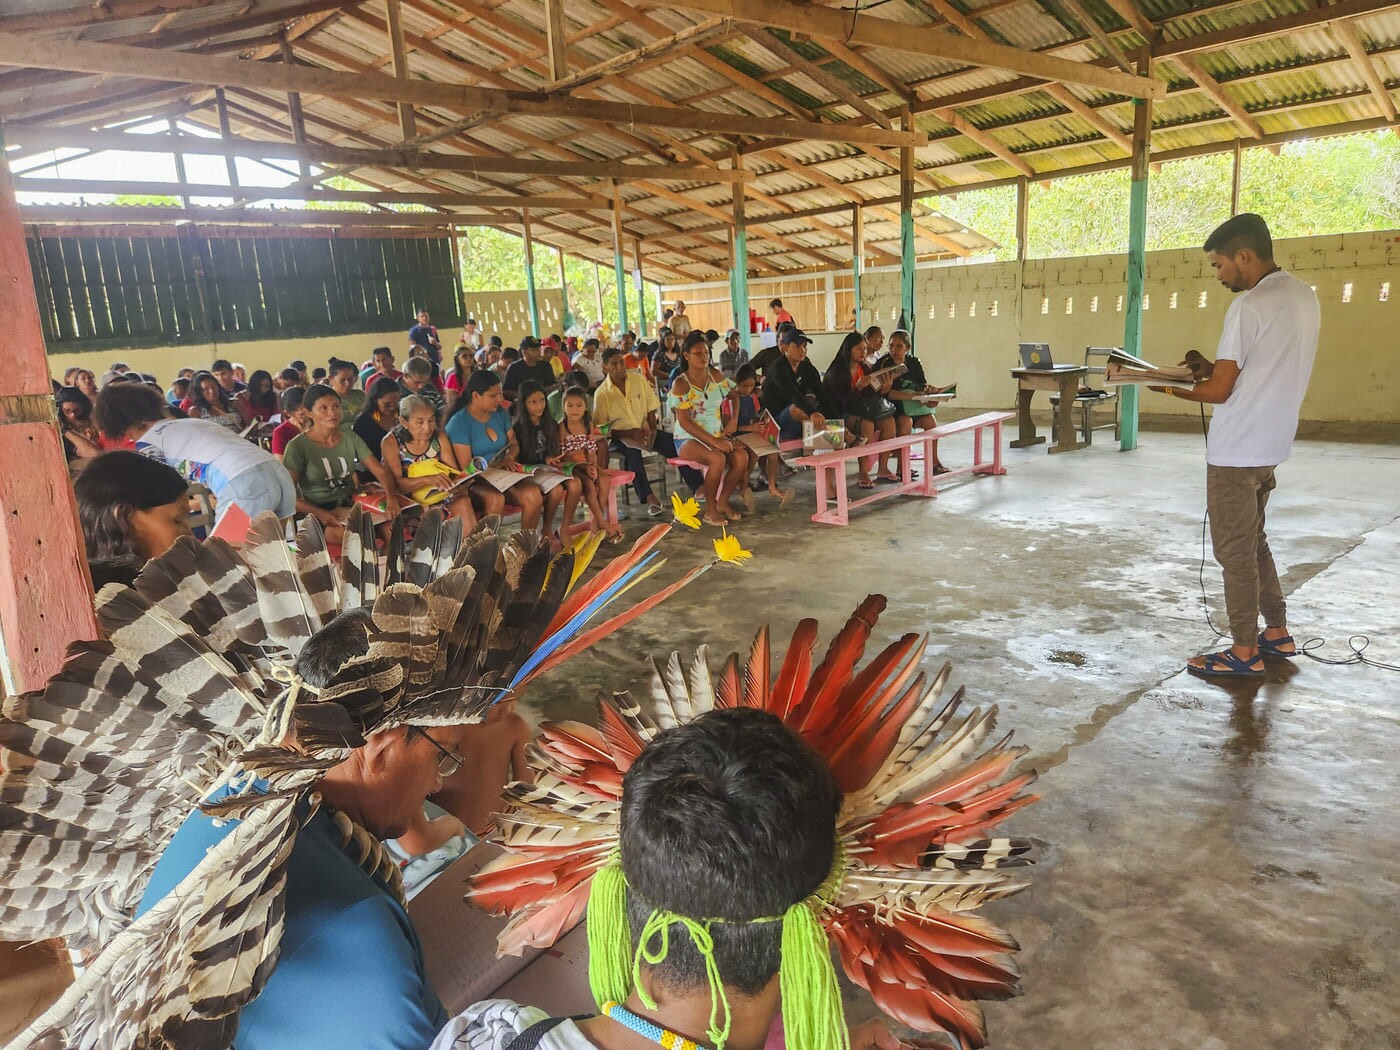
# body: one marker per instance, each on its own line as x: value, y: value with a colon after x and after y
x: 1270, y: 646
x: 1225, y: 664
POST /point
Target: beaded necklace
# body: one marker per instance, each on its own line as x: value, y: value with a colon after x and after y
x: 670, y: 1040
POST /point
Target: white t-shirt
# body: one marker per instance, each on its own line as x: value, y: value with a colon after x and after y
x: 494, y: 1024
x: 1271, y: 334
x: 591, y: 367
x: 202, y: 451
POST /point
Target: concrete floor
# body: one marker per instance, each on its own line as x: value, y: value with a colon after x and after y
x: 1221, y: 866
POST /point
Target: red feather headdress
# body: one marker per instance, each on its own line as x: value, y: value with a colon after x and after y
x: 923, y: 793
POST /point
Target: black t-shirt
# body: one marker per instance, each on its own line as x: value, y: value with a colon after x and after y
x: 913, y: 377
x: 541, y: 372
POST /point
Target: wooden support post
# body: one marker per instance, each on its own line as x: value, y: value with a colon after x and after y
x: 641, y: 289
x: 46, y: 601
x: 531, y: 299
x: 225, y: 132
x: 566, y: 319
x: 556, y: 39
x: 829, y: 297
x: 857, y: 256
x: 294, y: 114
x: 739, y: 264
x: 1137, y: 257
x: 459, y: 292
x: 906, y: 229
x: 400, y: 56
x: 598, y: 288
x: 1022, y: 216
x: 619, y: 266
x: 173, y: 129
x: 1235, y: 180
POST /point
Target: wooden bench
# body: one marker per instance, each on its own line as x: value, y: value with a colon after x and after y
x: 835, y: 462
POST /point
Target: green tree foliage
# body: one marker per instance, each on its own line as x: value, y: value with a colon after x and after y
x: 494, y: 260
x: 1314, y: 187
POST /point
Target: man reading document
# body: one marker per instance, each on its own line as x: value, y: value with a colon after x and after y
x: 1257, y: 382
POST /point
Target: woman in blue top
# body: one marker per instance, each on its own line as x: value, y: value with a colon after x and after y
x: 479, y: 428
x: 696, y: 398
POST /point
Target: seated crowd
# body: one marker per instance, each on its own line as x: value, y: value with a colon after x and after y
x: 398, y: 438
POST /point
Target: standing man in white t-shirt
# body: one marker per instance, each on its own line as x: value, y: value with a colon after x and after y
x: 1260, y: 375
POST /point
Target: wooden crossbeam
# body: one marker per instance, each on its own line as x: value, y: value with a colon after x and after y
x: 173, y: 66
x: 1211, y: 87
x: 1269, y: 27
x: 694, y: 35
x: 445, y: 199
x: 767, y: 40
x: 119, y: 213
x: 923, y: 40
x: 400, y: 58
x: 1356, y: 48
x: 315, y: 153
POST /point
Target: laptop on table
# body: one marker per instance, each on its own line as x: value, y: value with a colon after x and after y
x: 1036, y: 357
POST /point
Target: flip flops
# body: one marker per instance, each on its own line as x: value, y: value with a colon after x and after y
x: 1225, y: 664
x: 1270, y: 647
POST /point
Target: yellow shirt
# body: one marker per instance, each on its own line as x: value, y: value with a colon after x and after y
x: 624, y: 409
x: 556, y: 363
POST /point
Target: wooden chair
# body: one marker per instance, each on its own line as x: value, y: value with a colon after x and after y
x: 1088, y: 402
x: 201, y: 511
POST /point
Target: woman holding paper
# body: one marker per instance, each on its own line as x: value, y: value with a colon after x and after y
x: 479, y: 428
x: 413, y: 449
x: 859, y: 395
x: 910, y: 412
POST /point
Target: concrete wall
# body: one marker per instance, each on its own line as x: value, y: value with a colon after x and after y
x: 971, y: 318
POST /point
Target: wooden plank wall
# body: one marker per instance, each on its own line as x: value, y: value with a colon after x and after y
x: 707, y: 305
x: 97, y: 291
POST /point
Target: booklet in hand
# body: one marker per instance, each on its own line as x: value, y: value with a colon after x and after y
x: 1124, y: 369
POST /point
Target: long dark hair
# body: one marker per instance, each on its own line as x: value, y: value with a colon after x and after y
x: 525, y: 430
x: 379, y: 388
x: 579, y: 392
x: 479, y: 382
x: 258, y: 399
x: 837, y: 379
x: 197, y: 393
x: 113, y: 487
x: 71, y: 395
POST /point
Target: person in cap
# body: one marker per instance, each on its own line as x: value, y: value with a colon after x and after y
x: 730, y: 829
x: 792, y: 387
x: 531, y: 365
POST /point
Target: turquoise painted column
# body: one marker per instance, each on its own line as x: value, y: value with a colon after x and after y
x: 739, y: 268
x: 1137, y: 259
x: 857, y: 256
x: 531, y: 299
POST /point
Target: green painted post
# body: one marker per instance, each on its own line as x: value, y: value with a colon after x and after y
x: 906, y: 228
x: 1137, y: 258
x: 739, y: 271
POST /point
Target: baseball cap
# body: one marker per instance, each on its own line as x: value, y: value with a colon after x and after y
x: 794, y: 335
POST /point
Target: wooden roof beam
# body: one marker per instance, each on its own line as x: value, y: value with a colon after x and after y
x: 1270, y: 27
x: 655, y: 50
x: 1351, y: 39
x: 110, y: 213
x: 1211, y: 87
x: 118, y: 60
x: 927, y: 41
x: 766, y: 39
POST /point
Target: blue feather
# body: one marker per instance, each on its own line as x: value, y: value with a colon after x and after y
x: 576, y: 624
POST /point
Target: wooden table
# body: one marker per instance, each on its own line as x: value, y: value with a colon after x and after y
x: 1062, y: 379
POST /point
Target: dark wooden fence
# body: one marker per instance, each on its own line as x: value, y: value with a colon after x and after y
x: 97, y: 292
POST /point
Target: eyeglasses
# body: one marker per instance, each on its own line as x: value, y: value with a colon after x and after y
x: 450, y: 761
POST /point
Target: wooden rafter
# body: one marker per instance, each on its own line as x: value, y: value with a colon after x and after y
x: 1351, y: 40
x: 769, y: 41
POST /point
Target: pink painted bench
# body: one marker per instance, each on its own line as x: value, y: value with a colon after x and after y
x: 612, y: 483
x: 834, y: 490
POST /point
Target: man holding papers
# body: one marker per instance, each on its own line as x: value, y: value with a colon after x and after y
x: 1261, y: 373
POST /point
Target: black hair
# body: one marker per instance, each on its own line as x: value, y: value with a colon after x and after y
x: 377, y: 389
x: 265, y: 401
x: 479, y: 382
x: 778, y: 303
x: 381, y: 350
x: 495, y: 341
x: 221, y: 365
x: 511, y: 353
x: 327, y: 651
x: 743, y: 372
x: 197, y: 399
x: 71, y: 395
x: 611, y: 352
x: 525, y: 430
x: 695, y: 338
x: 711, y: 335
x: 579, y: 391
x: 298, y: 364
x: 126, y: 405
x: 574, y: 377
x: 337, y: 366
x: 317, y: 374
x: 113, y: 487
x: 317, y: 392
x: 591, y: 341
x: 291, y: 375
x: 753, y: 810
x: 181, y: 385
x: 872, y: 330
x: 292, y: 399
x: 1246, y: 230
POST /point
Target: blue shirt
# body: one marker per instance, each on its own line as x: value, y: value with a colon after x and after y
x: 350, y: 971
x: 465, y: 429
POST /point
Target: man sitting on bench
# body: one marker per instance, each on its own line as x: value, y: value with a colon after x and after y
x: 627, y: 404
x: 792, y: 387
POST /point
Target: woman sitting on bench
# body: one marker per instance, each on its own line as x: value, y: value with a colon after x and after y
x: 910, y: 413
x: 869, y: 414
x: 696, y: 397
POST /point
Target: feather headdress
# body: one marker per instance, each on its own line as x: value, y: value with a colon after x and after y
x: 924, y: 788
x: 194, y: 688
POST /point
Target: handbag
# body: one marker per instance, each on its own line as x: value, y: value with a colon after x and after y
x: 873, y: 406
